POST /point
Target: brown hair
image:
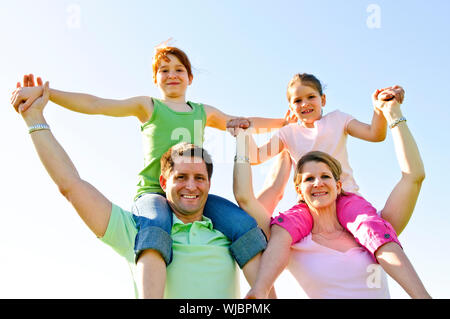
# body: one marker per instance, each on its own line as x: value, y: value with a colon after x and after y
x: 305, y: 79
x: 321, y: 157
x: 184, y: 152
x: 162, y: 54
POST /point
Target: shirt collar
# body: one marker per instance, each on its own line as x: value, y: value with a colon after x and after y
x: 178, y: 224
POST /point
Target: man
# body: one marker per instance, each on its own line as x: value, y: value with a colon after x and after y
x: 202, y: 266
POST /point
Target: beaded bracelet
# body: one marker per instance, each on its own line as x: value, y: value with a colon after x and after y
x: 38, y: 127
x: 397, y: 121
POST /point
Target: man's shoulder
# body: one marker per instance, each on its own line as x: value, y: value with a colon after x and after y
x: 121, y: 232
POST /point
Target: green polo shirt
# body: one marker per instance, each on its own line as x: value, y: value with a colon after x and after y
x: 202, y: 266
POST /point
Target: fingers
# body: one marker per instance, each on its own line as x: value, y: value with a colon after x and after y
x: 18, y: 85
x: 31, y: 80
x: 39, y: 81
x: 25, y: 80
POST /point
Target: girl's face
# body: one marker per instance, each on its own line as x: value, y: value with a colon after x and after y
x: 317, y: 186
x: 172, y: 78
x: 306, y: 103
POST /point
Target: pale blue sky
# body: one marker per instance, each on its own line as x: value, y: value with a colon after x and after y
x: 243, y: 53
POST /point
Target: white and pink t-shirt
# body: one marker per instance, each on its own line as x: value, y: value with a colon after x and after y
x: 329, y: 135
x: 326, y: 273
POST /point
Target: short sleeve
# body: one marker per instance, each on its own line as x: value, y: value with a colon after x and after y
x: 121, y: 233
x: 345, y: 119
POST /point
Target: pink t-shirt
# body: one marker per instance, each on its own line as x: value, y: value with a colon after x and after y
x: 325, y: 273
x: 329, y: 135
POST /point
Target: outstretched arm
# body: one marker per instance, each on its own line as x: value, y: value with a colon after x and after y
x: 219, y: 120
x: 140, y: 106
x: 402, y: 200
x: 91, y: 205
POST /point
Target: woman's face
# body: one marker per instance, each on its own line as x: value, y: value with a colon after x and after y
x: 317, y: 187
x: 172, y: 78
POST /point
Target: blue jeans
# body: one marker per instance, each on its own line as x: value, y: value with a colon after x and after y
x: 153, y: 217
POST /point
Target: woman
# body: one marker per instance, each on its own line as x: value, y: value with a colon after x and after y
x: 329, y: 263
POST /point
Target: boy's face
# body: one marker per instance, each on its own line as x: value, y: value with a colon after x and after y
x: 172, y: 78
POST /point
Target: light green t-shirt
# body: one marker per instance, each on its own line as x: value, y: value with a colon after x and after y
x: 202, y: 266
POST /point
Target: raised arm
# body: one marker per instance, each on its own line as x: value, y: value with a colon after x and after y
x: 93, y: 208
x: 140, y: 106
x: 243, y: 184
x: 376, y: 131
x: 402, y: 200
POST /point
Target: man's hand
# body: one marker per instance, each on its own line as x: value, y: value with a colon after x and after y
x: 23, y: 97
x: 235, y: 125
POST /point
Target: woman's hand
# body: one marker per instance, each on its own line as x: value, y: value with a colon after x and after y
x: 388, y: 100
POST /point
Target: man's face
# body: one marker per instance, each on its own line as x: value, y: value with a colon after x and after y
x: 187, y: 189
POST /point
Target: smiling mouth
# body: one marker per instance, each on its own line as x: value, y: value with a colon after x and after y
x: 318, y: 194
x: 307, y: 111
x: 190, y: 196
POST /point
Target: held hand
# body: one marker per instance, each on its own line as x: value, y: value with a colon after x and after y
x: 388, y: 99
x: 23, y: 97
x: 36, y: 109
x: 234, y: 126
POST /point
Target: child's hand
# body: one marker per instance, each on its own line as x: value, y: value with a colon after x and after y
x: 290, y: 117
x: 234, y: 126
x: 23, y: 97
x: 389, y: 96
x: 387, y: 100
x: 392, y: 92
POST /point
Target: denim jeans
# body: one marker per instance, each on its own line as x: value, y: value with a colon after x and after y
x: 153, y: 217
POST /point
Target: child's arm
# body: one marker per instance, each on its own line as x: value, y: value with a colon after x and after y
x: 141, y: 106
x: 219, y: 120
x: 376, y: 131
x: 243, y: 185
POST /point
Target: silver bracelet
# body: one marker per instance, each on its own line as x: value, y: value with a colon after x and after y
x: 38, y: 127
x: 397, y: 122
x: 241, y: 159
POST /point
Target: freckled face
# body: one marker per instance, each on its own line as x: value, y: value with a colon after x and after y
x: 306, y: 102
x: 172, y: 77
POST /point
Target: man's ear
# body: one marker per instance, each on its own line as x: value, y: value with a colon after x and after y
x: 162, y: 182
x: 324, y: 100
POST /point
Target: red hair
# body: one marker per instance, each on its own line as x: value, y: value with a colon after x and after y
x: 162, y: 54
